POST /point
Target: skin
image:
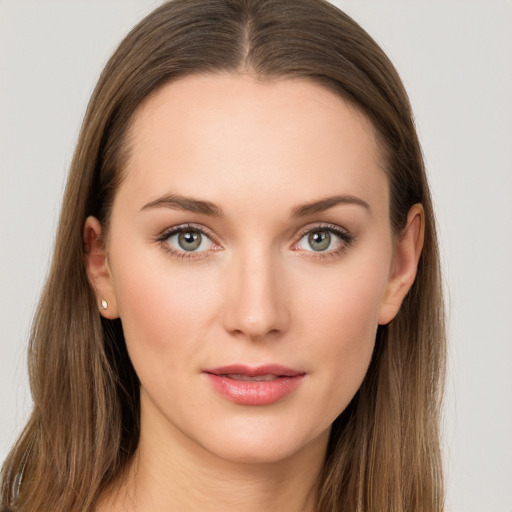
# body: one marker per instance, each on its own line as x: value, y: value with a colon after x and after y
x: 256, y: 294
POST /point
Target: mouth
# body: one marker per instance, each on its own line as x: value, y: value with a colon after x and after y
x: 256, y: 386
x: 256, y: 378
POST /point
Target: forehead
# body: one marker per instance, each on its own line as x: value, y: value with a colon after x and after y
x: 216, y: 135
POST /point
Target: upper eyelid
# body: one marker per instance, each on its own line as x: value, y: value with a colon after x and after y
x: 166, y: 233
x: 326, y: 227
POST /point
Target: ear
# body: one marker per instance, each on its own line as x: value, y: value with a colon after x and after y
x: 98, y: 271
x: 405, y: 264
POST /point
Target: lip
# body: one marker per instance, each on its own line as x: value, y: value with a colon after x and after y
x: 239, y: 384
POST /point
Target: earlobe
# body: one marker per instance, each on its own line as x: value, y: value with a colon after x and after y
x: 405, y: 264
x: 98, y: 270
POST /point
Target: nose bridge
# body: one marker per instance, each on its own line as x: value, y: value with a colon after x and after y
x: 255, y: 305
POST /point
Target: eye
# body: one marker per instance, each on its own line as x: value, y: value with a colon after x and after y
x: 186, y: 239
x: 324, y: 239
x: 189, y: 240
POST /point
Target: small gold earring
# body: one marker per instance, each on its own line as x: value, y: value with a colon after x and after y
x: 104, y: 304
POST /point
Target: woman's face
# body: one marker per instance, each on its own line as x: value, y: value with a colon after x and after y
x: 249, y: 257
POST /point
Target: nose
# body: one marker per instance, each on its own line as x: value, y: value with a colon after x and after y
x: 256, y: 304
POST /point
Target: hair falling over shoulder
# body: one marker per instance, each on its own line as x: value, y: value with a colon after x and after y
x: 384, y: 450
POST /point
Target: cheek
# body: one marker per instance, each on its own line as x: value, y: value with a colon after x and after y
x: 341, y: 319
x: 165, y: 312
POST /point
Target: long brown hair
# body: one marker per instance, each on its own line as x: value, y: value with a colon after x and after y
x: 384, y: 452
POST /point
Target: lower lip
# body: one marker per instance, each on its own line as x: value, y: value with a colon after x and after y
x: 251, y: 392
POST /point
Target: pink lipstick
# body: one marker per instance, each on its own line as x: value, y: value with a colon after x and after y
x: 262, y: 385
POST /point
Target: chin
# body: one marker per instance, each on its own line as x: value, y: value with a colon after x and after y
x: 259, y: 444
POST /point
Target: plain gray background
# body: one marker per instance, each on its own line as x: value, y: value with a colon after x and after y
x: 456, y: 61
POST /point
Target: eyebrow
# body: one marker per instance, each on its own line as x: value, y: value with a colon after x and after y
x: 190, y: 204
x: 325, y: 204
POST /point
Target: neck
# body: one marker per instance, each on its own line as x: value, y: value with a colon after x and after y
x: 171, y: 472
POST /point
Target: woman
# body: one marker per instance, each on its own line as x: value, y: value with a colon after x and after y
x: 244, y: 306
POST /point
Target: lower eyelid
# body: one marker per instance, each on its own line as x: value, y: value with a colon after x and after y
x: 183, y: 255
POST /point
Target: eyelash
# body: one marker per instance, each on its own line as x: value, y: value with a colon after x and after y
x: 347, y: 240
x: 184, y: 255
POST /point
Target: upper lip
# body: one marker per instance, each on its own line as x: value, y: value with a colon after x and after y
x: 255, y: 371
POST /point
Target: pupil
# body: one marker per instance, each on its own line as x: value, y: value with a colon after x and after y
x: 189, y: 240
x: 320, y: 240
